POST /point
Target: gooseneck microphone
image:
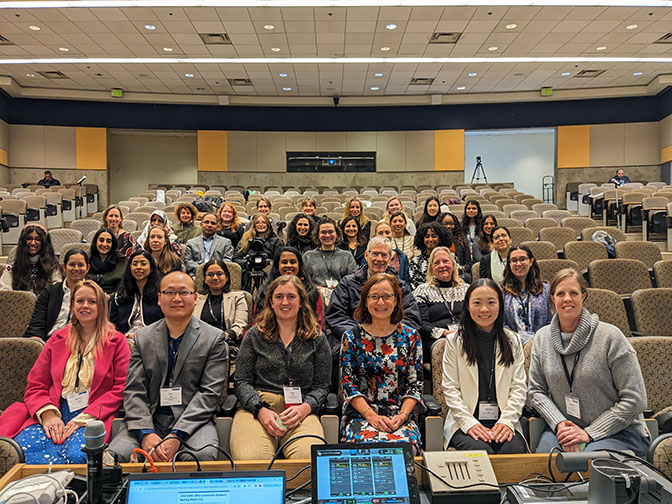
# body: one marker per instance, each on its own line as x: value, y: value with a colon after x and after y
x: 94, y: 439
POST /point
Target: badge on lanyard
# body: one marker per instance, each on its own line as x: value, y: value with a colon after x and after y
x: 331, y: 283
x: 573, y: 406
x: 488, y: 410
x: 78, y: 400
x: 171, y: 396
x: 292, y: 396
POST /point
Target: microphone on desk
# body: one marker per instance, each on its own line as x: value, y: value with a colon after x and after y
x: 94, y: 438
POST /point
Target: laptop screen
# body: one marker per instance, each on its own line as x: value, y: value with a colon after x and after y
x: 207, y: 487
x: 363, y: 473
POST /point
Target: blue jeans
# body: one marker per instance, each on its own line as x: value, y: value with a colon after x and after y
x: 627, y: 439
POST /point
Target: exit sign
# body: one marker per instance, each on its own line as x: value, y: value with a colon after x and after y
x: 117, y: 93
x: 546, y: 91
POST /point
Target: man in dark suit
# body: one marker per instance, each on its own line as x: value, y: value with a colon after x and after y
x: 207, y: 246
x: 48, y: 180
x: 175, y: 380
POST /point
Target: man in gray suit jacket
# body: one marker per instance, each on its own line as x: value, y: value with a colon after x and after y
x: 207, y: 246
x: 175, y: 380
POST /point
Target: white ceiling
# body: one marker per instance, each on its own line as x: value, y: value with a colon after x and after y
x: 332, y: 32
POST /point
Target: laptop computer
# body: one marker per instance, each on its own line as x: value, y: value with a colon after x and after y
x: 366, y: 473
x: 206, y: 487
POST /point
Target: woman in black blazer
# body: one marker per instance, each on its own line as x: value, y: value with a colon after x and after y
x: 135, y: 304
x: 52, y: 309
x: 492, y: 265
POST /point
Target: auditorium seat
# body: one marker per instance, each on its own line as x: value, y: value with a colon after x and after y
x: 645, y: 251
x: 558, y: 215
x: 585, y: 252
x: 541, y: 249
x: 614, y: 232
x: 577, y: 224
x: 17, y: 309
x: 86, y: 226
x: 651, y: 309
x: 536, y: 224
x: 623, y: 276
x: 14, y: 213
x: 520, y: 234
x: 662, y: 272
x: 59, y: 237
x: 549, y: 267
x: 609, y: 307
x: 522, y: 215
x: 540, y: 208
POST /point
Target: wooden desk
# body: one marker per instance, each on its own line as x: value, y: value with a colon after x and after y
x: 508, y: 468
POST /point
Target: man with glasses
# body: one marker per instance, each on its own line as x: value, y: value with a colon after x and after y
x: 175, y: 380
x: 207, y: 246
x: 347, y: 293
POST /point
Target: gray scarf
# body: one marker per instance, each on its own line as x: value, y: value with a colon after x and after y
x: 584, y: 331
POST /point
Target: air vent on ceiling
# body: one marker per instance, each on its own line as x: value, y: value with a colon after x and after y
x: 444, y: 38
x: 665, y: 39
x: 215, y: 38
x: 240, y: 82
x: 5, y: 41
x: 421, y: 81
x: 53, y: 74
x: 589, y: 73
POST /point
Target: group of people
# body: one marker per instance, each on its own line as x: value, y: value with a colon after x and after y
x: 322, y: 320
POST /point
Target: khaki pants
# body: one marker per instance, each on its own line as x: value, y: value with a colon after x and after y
x: 250, y: 441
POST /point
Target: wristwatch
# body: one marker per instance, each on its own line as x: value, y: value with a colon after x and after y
x: 258, y: 406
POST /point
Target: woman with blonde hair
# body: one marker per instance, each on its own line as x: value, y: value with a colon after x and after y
x: 266, y: 243
x: 78, y: 377
x: 113, y: 218
x: 228, y: 223
x: 354, y: 207
x: 440, y: 298
x: 158, y: 244
x: 395, y: 205
x: 282, y: 377
x: 186, y: 214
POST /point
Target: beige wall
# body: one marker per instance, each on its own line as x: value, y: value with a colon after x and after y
x: 665, y: 132
x: 624, y: 144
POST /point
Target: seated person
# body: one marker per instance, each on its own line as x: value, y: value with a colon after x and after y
x: 186, y: 214
x: 228, y: 224
x: 181, y: 353
x: 484, y: 377
x: 282, y: 377
x: 113, y: 218
x: 308, y: 206
x: 399, y: 261
x: 78, y: 377
x: 158, y: 245
x: 135, y: 303
x: 353, y: 238
x: 458, y: 248
x: 300, y: 233
x: 107, y: 265
x: 429, y: 235
x: 52, y: 309
x: 207, y: 246
x: 266, y: 243
x: 492, y: 265
x: 35, y: 265
x: 355, y: 208
x: 585, y: 380
x: 346, y: 296
x: 48, y: 180
x: 381, y: 346
x: 158, y: 218
x: 220, y: 306
x: 620, y: 178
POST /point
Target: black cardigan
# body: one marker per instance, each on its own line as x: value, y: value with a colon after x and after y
x: 121, y: 312
x: 46, y: 311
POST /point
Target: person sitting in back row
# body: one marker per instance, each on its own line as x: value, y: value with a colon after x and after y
x: 620, y: 178
x: 48, y: 180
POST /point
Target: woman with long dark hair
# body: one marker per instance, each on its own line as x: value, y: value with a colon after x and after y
x: 430, y: 212
x: 300, y: 233
x: 428, y: 237
x: 527, y: 302
x: 107, y: 265
x: 401, y: 238
x: 135, y: 304
x: 483, y: 381
x: 459, y: 248
x: 35, y: 265
x: 471, y: 222
x: 353, y: 239
x: 484, y: 244
x: 492, y: 265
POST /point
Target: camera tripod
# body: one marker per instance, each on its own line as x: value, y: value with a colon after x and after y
x: 478, y: 171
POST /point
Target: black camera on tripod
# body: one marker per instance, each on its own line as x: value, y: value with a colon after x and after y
x: 256, y: 259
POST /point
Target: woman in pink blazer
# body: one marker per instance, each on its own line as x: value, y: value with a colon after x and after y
x: 79, y: 377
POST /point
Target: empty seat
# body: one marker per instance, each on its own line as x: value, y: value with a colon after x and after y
x: 17, y: 357
x: 17, y: 309
x: 61, y: 237
x: 14, y: 213
x: 623, y: 276
x: 645, y: 251
x: 520, y: 234
x: 651, y: 309
x: 557, y: 235
x: 558, y: 215
x: 54, y: 209
x: 540, y: 208
x: 578, y: 224
x: 542, y: 249
x: 512, y: 207
x: 609, y: 307
x: 36, y: 209
x: 549, y: 267
x: 86, y: 226
x: 584, y: 252
x: 69, y: 204
x: 536, y: 224
x: 522, y: 215
x: 662, y: 272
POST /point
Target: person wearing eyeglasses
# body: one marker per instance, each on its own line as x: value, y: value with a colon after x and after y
x: 175, y: 380
x: 381, y: 368
x: 527, y: 302
x: 492, y: 265
x: 219, y: 306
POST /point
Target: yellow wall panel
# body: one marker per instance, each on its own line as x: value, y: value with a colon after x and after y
x: 213, y: 153
x: 449, y: 150
x: 574, y: 146
x: 3, y: 157
x: 91, y: 148
x: 666, y: 154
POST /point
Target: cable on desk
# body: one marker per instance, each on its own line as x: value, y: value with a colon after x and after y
x: 299, y: 472
x: 282, y: 446
x: 216, y: 447
x: 190, y: 453
x: 148, y: 457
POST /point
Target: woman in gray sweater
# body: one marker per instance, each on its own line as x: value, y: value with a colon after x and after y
x: 283, y: 372
x: 585, y: 379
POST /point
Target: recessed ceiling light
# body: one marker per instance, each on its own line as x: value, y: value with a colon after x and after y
x: 269, y: 27
x: 636, y: 74
x: 391, y: 26
x: 493, y: 48
x: 283, y: 75
x: 385, y: 49
x: 150, y: 27
x: 564, y: 74
x: 378, y: 74
x: 30, y: 75
x: 601, y: 48
x: 631, y: 27
x: 472, y: 74
x: 275, y: 49
x: 34, y: 28
x: 511, y: 26
x: 375, y: 88
x: 189, y: 75
x: 286, y: 88
x: 168, y: 49
x: 63, y: 49
x: 200, y: 89
x: 461, y: 88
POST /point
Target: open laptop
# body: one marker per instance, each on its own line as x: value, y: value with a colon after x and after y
x: 366, y: 473
x: 206, y: 487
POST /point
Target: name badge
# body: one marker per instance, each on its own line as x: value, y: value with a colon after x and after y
x: 331, y: 283
x: 78, y: 401
x: 573, y: 406
x: 292, y: 396
x: 488, y: 410
x: 171, y: 396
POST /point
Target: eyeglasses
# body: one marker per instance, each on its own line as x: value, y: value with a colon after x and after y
x: 385, y: 297
x: 382, y: 255
x: 213, y: 274
x: 517, y: 260
x: 183, y: 293
x: 500, y: 236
